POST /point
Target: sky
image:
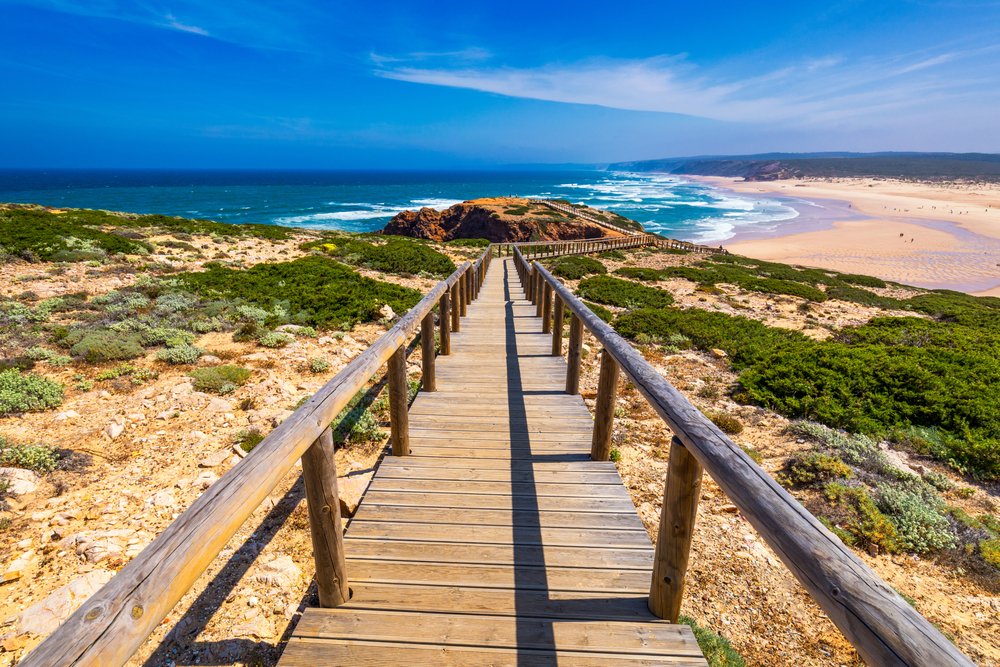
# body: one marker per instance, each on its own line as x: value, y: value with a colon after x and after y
x: 410, y: 84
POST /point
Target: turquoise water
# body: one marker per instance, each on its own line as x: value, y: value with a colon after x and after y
x: 365, y: 201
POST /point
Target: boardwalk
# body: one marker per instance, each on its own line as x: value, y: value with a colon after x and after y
x: 498, y: 541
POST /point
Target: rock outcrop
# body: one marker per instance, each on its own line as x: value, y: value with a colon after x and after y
x: 500, y: 220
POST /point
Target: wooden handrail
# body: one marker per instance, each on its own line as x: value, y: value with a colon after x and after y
x: 883, y: 628
x: 111, y: 625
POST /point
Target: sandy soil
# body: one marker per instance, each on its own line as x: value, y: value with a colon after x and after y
x: 929, y: 235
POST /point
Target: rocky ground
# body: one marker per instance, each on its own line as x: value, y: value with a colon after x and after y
x: 141, y: 454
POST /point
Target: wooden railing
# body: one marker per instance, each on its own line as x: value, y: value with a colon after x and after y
x: 110, y: 626
x: 571, y: 210
x: 576, y: 246
x: 883, y: 628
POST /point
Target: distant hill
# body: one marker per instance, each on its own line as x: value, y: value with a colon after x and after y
x: 773, y: 166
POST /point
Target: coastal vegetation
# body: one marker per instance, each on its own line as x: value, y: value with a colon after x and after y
x: 575, y: 267
x: 315, y: 291
x: 394, y: 254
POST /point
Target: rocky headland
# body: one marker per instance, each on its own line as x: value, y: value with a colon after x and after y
x: 508, y: 219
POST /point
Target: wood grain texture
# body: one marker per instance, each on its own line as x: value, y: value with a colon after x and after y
x: 574, y: 355
x: 604, y: 410
x: 319, y: 475
x: 399, y: 419
x: 427, y: 382
x: 444, y: 323
x: 681, y: 494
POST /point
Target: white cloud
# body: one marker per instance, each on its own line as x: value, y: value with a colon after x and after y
x: 829, y: 89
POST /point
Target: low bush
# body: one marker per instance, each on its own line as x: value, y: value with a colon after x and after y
x: 574, y: 267
x: 598, y: 310
x: 919, y: 519
x: 815, y: 468
x: 746, y: 341
x: 861, y: 518
x: 275, y: 339
x: 399, y: 255
x: 718, y: 651
x: 40, y: 458
x: 318, y: 365
x: 249, y: 438
x: 101, y: 345
x: 312, y: 290
x: 640, y: 273
x: 726, y: 422
x: 222, y: 379
x: 181, y: 354
x: 35, y: 234
x: 27, y: 392
x: 623, y: 293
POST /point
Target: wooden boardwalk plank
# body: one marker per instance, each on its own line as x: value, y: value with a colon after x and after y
x: 497, y: 541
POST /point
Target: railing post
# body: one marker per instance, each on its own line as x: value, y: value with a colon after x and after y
x: 539, y: 291
x: 557, y: 326
x: 604, y: 410
x: 574, y: 355
x: 547, y: 309
x: 444, y: 322
x: 681, y: 494
x: 532, y: 277
x: 399, y: 419
x: 456, y: 306
x: 427, y: 381
x: 319, y: 474
x: 463, y: 294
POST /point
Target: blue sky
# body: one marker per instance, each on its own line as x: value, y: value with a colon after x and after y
x: 330, y: 84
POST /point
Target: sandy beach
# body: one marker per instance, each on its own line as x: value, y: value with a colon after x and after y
x: 925, y: 234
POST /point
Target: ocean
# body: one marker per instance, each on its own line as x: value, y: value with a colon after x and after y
x: 361, y: 201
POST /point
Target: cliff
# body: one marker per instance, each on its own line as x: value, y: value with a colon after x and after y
x: 503, y: 219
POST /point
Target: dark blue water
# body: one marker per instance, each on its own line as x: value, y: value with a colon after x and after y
x: 366, y: 200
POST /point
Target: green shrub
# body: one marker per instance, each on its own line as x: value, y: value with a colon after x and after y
x: 181, y: 354
x: 640, y: 273
x: 318, y: 365
x: 920, y: 524
x: 598, y: 310
x: 623, y: 293
x: 726, y: 422
x: 864, y: 281
x: 102, y: 345
x: 275, y: 339
x: 574, y: 267
x: 863, y: 297
x: 862, y: 518
x: 41, y: 235
x: 21, y: 392
x: 166, y: 336
x: 397, y: 255
x: 40, y: 458
x: 222, y: 379
x: 990, y: 551
x: 745, y: 341
x: 815, y: 467
x: 313, y: 290
x: 719, y: 652
x: 249, y: 438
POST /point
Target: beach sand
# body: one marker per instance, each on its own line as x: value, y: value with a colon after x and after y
x: 928, y: 235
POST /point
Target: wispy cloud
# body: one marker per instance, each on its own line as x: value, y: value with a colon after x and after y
x: 817, y: 90
x: 252, y: 23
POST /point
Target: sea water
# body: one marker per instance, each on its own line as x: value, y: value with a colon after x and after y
x: 361, y: 201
